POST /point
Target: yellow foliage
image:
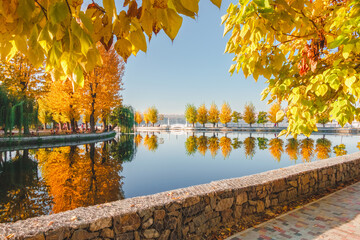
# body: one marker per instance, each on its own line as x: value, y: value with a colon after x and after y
x: 225, y: 144
x: 213, y: 114
x: 202, y: 115
x: 276, y: 148
x: 274, y: 109
x: 292, y: 148
x: 202, y: 144
x: 213, y: 145
x: 225, y: 114
x: 249, y: 114
x: 138, y: 117
x: 307, y: 148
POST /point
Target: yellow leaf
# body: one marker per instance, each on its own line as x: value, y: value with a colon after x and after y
x: 191, y: 5
x: 146, y: 22
x: 177, y: 4
x: 216, y: 3
x: 137, y: 38
x: 124, y: 48
x: 174, y: 23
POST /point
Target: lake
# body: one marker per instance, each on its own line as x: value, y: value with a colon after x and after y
x: 36, y: 182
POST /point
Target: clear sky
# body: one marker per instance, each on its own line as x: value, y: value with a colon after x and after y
x: 192, y: 69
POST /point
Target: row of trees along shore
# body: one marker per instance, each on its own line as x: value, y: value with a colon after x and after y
x: 225, y: 115
x: 29, y: 96
x: 150, y: 115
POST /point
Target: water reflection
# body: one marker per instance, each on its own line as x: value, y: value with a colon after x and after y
x: 23, y: 194
x: 151, y: 142
x: 323, y: 148
x: 292, y: 148
x: 52, y: 180
x: 276, y: 148
x: 249, y: 146
x: 307, y: 149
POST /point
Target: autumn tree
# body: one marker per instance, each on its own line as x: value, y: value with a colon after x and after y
x: 151, y: 143
x: 152, y: 115
x: 225, y: 145
x: 202, y: 115
x: 275, y: 114
x: 308, y: 52
x: 138, y: 138
x: 249, y: 114
x: 138, y: 118
x: 225, y: 114
x: 324, y: 118
x: 191, y: 145
x: 262, y: 118
x: 101, y: 91
x: 64, y: 103
x: 262, y: 143
x: 41, y: 30
x: 202, y: 144
x: 213, y: 114
x: 276, y: 148
x: 339, y: 150
x: 323, y: 148
x: 249, y: 147
x: 307, y: 149
x: 236, y: 144
x: 236, y: 116
x: 191, y: 114
x: 146, y: 117
x: 213, y: 145
x: 24, y: 83
x: 292, y: 148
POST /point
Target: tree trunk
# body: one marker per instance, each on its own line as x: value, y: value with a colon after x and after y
x: 68, y: 125
x: 193, y: 125
x: 60, y: 126
x: 203, y: 124
x: 92, y: 122
x: 86, y: 126
x: 213, y: 125
x: 105, y: 125
x: 73, y: 125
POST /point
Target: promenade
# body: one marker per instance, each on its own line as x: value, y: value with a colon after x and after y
x: 336, y: 216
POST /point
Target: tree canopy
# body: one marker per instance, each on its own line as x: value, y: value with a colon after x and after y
x: 308, y: 50
x: 64, y: 33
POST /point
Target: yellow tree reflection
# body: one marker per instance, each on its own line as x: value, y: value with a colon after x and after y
x: 323, y: 148
x: 191, y: 145
x: 292, y: 148
x: 249, y: 146
x: 307, y: 149
x: 138, y: 139
x: 151, y: 143
x: 339, y: 150
x: 213, y: 146
x: 276, y: 148
x: 80, y: 176
x: 202, y: 144
x: 225, y: 144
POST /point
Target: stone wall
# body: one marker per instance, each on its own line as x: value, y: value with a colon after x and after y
x: 189, y: 213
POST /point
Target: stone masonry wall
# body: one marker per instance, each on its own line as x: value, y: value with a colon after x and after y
x: 192, y: 212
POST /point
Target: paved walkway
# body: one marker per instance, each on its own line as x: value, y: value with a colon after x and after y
x: 336, y: 216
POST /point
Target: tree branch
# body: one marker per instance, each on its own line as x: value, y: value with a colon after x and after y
x: 42, y: 8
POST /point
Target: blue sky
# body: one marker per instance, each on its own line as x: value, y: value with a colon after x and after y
x: 192, y: 69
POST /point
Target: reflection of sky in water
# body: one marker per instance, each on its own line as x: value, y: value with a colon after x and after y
x: 169, y: 167
x: 37, y: 182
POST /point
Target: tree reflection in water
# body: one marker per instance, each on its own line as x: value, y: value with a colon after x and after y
x: 71, y: 177
x: 249, y: 146
x: 292, y: 148
x: 307, y: 149
x: 191, y: 145
x: 225, y: 145
x: 23, y: 194
x: 151, y: 143
x: 276, y: 148
x: 323, y: 148
x: 213, y: 145
x: 202, y: 143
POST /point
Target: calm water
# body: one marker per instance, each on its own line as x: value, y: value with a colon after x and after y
x: 51, y: 180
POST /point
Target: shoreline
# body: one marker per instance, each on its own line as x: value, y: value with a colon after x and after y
x: 39, y: 141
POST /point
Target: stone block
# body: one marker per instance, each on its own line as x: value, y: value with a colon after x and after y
x: 293, y: 183
x: 82, y: 234
x: 101, y: 224
x: 241, y: 198
x: 165, y: 235
x: 125, y: 236
x: 148, y: 223
x: 226, y: 215
x: 292, y: 194
x: 191, y: 201
x: 151, y: 233
x: 107, y: 233
x: 260, y: 206
x: 39, y: 236
x: 173, y: 207
x: 199, y: 220
x: 159, y: 215
x: 238, y: 212
x: 279, y: 185
x: 193, y: 210
x: 224, y: 204
x: 126, y: 223
x: 60, y: 233
x: 282, y: 196
x: 145, y: 214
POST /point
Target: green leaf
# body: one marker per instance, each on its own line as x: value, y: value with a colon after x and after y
x: 58, y: 12
x: 337, y: 42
